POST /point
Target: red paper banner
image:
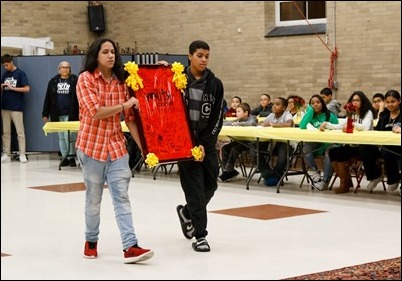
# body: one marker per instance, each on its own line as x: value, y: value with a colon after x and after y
x: 163, y: 119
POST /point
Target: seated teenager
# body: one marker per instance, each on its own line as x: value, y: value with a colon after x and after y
x: 232, y: 150
x: 279, y: 118
x: 339, y: 156
x: 231, y: 112
x: 378, y: 104
x: 296, y: 107
x: 265, y: 107
x: 390, y: 120
x: 332, y: 104
x: 317, y: 116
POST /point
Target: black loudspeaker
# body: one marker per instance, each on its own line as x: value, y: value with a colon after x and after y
x: 96, y: 18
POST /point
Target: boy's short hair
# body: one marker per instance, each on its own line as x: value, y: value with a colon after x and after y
x: 198, y: 44
x: 283, y: 101
x: 379, y: 95
x: 6, y: 58
x: 246, y: 107
x: 237, y: 97
x: 326, y: 91
x: 267, y: 95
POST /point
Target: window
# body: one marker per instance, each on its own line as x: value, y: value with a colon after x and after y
x: 289, y: 21
x: 287, y: 14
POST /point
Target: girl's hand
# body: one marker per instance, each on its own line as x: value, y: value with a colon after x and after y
x: 322, y: 126
x: 344, y: 128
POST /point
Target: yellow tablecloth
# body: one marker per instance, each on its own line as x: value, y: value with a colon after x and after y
x: 281, y: 134
x: 292, y: 134
x: 259, y: 134
x: 297, y: 134
x: 73, y: 126
x: 259, y: 119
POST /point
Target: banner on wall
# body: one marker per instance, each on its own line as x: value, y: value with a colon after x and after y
x: 162, y: 119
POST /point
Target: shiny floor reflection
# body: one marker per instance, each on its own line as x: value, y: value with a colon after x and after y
x: 253, y: 234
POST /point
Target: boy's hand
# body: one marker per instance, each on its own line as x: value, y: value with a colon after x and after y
x: 203, y: 153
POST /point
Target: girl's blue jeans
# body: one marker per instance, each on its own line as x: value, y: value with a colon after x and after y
x: 116, y: 174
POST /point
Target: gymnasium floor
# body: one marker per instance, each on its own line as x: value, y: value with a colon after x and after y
x: 253, y: 234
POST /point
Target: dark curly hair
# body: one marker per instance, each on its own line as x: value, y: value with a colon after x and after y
x: 365, y: 104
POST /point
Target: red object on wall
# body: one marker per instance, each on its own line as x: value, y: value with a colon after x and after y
x: 162, y: 118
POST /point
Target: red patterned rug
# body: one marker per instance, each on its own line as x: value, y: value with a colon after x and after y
x: 380, y: 270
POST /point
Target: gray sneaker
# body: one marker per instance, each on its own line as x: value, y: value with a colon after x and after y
x: 321, y: 185
x: 373, y: 183
x: 315, y: 175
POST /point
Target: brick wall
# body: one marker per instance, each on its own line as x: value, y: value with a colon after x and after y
x: 367, y: 35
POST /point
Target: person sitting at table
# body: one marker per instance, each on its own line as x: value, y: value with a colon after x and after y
x: 265, y: 107
x: 232, y: 150
x: 231, y: 112
x: 340, y: 156
x: 279, y: 118
x: 397, y: 130
x: 296, y: 107
x: 332, y: 104
x: 224, y: 107
x: 378, y: 104
x: 390, y: 120
x: 317, y: 117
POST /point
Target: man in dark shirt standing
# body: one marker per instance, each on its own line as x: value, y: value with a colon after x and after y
x: 14, y: 84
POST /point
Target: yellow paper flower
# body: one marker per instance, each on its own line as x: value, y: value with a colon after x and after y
x: 196, y: 152
x: 134, y: 80
x: 179, y: 78
x: 152, y: 160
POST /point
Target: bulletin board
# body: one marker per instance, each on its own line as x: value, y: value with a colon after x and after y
x: 162, y: 118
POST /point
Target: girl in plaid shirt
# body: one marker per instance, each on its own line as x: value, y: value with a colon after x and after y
x: 101, y: 149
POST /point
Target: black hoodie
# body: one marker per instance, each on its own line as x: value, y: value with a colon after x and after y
x: 204, y: 99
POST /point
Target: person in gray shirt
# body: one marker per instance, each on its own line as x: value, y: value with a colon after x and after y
x: 232, y: 150
x: 279, y: 118
x: 332, y: 104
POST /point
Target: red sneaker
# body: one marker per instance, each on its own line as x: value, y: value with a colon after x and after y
x: 137, y: 254
x: 90, y: 250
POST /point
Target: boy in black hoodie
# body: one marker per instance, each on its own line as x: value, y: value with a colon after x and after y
x: 204, y: 98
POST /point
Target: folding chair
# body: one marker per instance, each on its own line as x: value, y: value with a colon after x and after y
x: 320, y: 160
x: 245, y: 160
x: 356, y: 171
x: 293, y: 154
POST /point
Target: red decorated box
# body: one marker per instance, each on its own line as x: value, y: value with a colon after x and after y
x: 162, y: 119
